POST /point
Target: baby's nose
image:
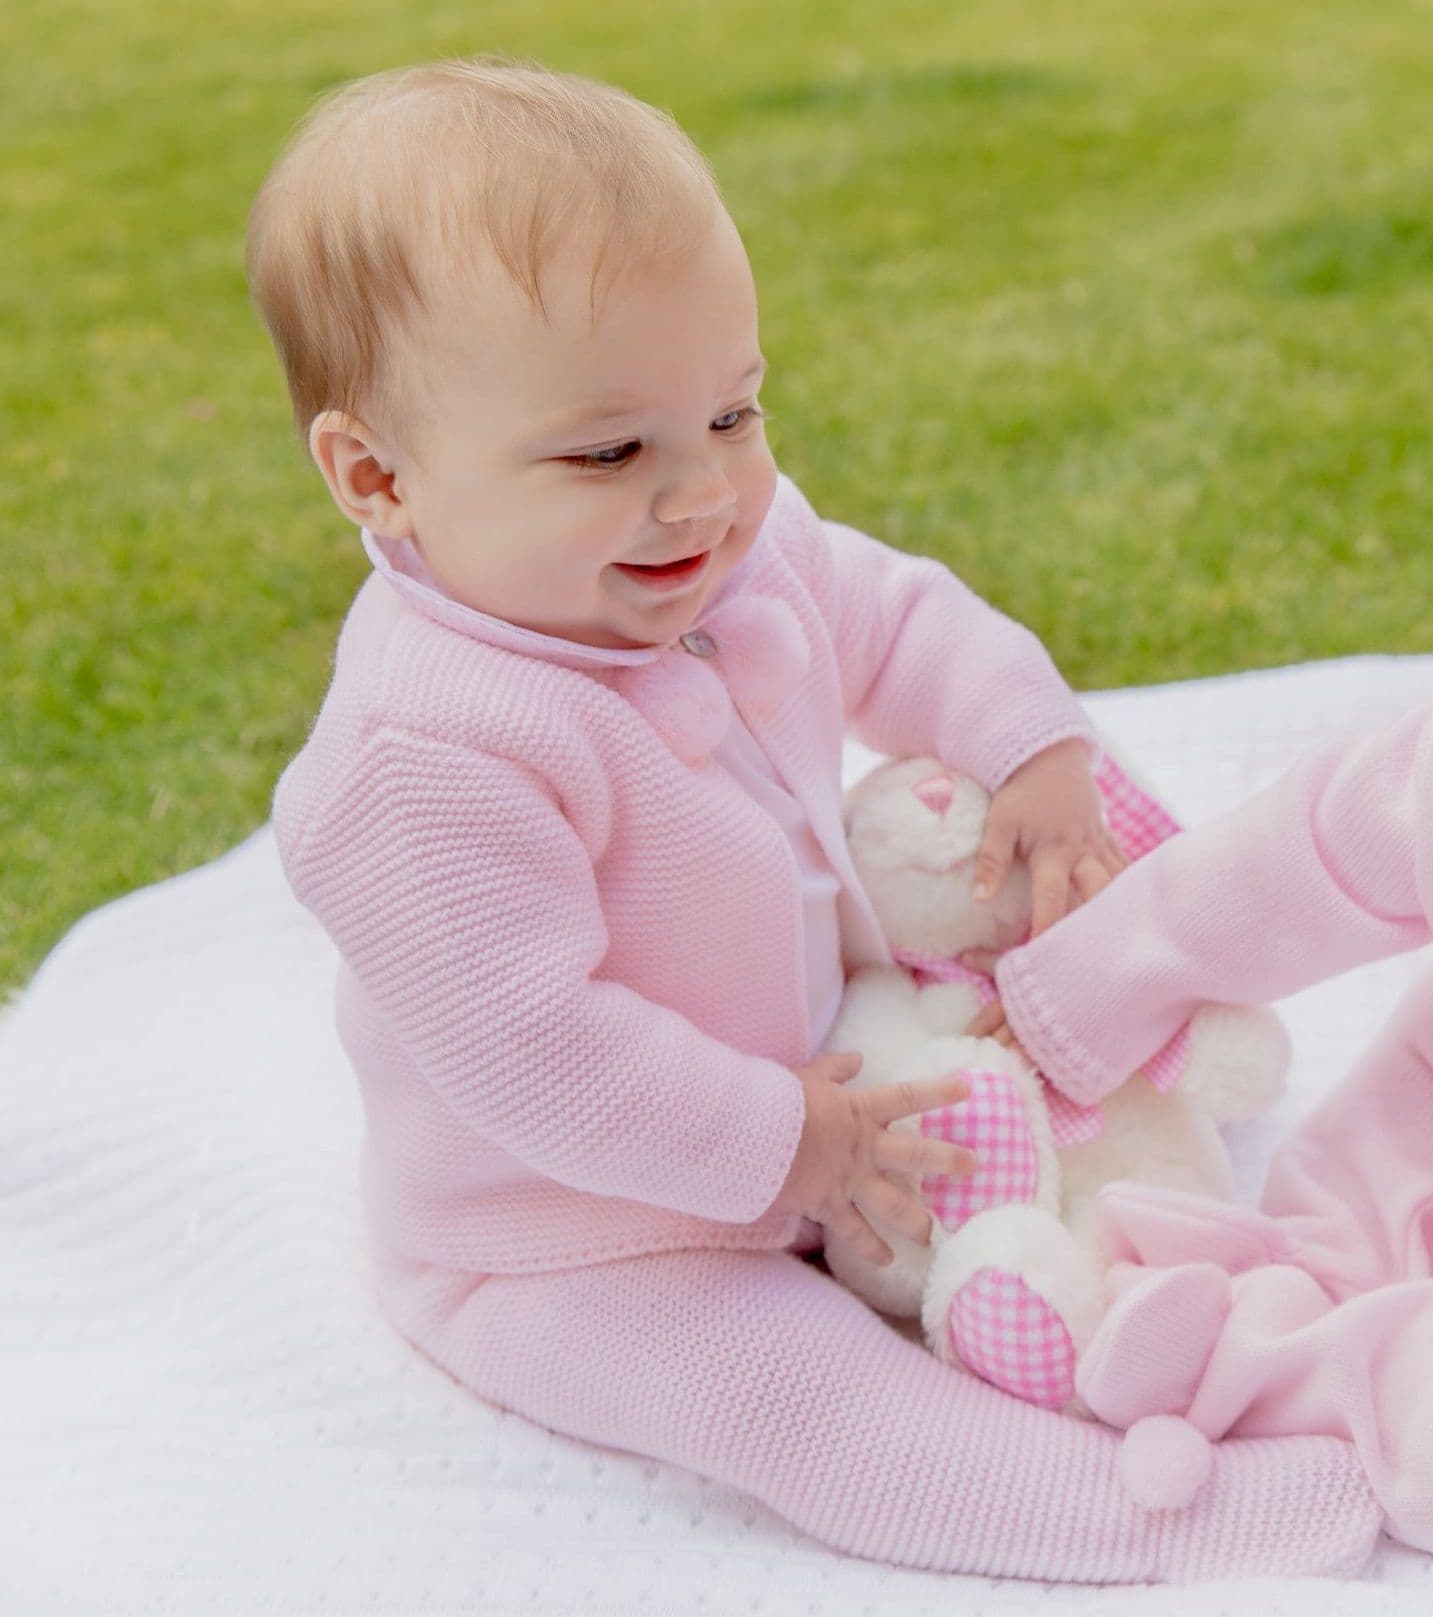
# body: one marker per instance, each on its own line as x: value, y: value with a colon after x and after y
x: 701, y: 495
x: 936, y: 793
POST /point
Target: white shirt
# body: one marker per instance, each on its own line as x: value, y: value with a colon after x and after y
x: 741, y: 755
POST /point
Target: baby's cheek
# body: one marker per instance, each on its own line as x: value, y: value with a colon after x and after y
x: 755, y: 480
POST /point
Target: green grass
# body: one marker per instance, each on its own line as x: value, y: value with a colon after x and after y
x: 1123, y: 309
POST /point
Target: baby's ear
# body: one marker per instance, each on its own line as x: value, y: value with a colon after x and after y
x: 361, y: 474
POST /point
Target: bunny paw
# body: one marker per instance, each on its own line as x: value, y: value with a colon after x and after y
x: 1009, y: 1335
x: 993, y: 1122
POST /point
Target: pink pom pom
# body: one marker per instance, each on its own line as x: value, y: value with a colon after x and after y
x: 684, y: 702
x: 1164, y: 1462
x: 763, y: 649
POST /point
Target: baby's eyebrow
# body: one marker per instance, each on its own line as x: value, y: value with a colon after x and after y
x: 753, y: 372
x: 622, y: 405
x: 591, y: 415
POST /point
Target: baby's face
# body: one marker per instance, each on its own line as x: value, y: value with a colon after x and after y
x: 596, y: 482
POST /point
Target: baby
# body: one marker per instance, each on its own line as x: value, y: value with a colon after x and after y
x: 571, y: 814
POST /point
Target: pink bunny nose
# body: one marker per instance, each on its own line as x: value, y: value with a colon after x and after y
x: 936, y: 793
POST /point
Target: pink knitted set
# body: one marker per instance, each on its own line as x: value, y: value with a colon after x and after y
x: 1315, y: 1313
x: 572, y: 987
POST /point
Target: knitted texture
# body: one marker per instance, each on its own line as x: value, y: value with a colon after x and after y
x: 571, y: 985
x: 1140, y: 823
x: 1328, y: 868
x: 1314, y: 1313
x: 756, y: 1369
x: 572, y: 981
x: 1331, y: 1327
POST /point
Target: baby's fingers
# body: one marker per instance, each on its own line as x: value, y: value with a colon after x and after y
x: 1090, y: 877
x: 1049, y: 888
x: 887, y: 1102
x: 840, y: 1066
x: 989, y: 1022
x: 982, y: 960
x: 896, y: 1207
x: 917, y: 1154
x: 992, y: 863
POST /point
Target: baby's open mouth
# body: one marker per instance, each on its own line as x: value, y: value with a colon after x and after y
x: 666, y: 569
x: 665, y: 574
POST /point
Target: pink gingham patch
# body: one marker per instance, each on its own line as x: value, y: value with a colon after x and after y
x: 1071, y: 1124
x: 1011, y: 1337
x: 937, y: 968
x: 1166, y: 1066
x: 1136, y: 821
x: 992, y: 1122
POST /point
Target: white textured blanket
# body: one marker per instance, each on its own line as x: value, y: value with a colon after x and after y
x: 200, y: 1411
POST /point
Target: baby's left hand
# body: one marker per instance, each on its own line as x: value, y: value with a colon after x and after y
x: 1049, y: 812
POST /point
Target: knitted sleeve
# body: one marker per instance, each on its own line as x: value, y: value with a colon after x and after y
x: 926, y: 665
x: 465, y: 902
x: 1327, y: 869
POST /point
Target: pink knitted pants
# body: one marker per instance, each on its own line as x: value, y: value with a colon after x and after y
x: 757, y: 1369
x: 1313, y: 1314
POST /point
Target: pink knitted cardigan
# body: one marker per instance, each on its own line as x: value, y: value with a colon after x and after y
x: 571, y: 980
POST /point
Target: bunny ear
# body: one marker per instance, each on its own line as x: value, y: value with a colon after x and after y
x: 1137, y: 821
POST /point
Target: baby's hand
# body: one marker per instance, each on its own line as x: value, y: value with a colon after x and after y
x: 845, y: 1152
x: 1049, y: 812
x: 992, y: 1023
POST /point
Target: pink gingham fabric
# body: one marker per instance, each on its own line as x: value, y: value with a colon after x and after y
x: 1138, y: 823
x: 1166, y: 1066
x: 992, y: 1121
x: 934, y: 968
x: 1010, y: 1336
x: 1071, y: 1124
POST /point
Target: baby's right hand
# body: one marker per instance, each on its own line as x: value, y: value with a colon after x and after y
x: 839, y: 1170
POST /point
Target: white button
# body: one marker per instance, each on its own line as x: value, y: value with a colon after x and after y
x: 699, y: 643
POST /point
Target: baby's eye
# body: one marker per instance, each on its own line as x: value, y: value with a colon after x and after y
x: 734, y: 418
x: 596, y: 459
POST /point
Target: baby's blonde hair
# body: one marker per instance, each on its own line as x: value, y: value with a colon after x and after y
x: 396, y: 184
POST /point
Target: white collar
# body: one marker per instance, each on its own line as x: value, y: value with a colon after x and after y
x: 403, y: 568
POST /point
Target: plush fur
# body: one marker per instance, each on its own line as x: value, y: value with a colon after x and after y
x: 914, y: 830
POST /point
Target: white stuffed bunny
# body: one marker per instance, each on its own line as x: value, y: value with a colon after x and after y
x: 1011, y: 1285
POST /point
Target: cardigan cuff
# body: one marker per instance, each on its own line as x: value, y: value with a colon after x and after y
x: 1078, y: 1074
x: 1032, y: 743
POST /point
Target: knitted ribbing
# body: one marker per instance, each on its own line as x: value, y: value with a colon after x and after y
x: 758, y: 1370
